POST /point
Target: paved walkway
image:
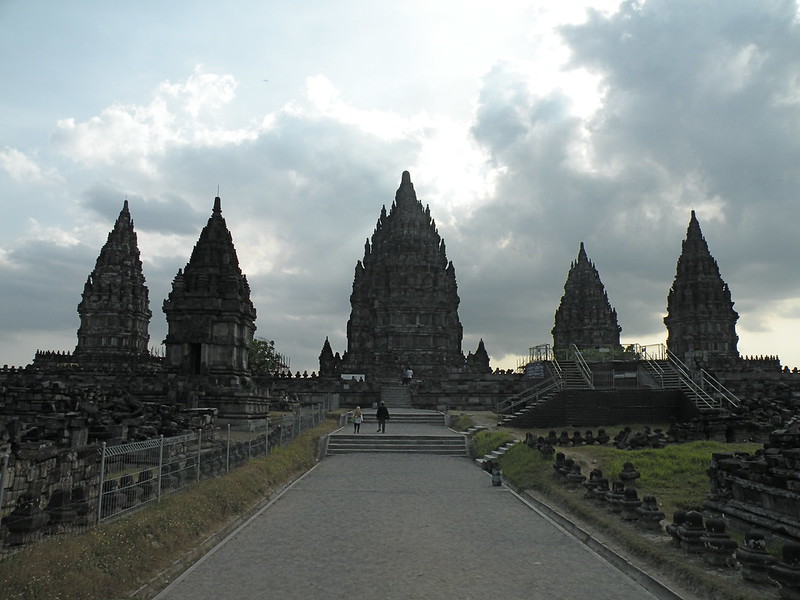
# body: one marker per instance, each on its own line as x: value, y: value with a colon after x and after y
x: 389, y: 526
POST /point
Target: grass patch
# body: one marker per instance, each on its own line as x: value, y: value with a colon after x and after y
x: 487, y: 441
x: 462, y: 422
x: 676, y: 475
x: 115, y: 559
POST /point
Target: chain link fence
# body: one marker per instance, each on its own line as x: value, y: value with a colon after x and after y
x: 140, y: 472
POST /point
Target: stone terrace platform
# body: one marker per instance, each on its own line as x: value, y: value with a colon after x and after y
x: 400, y: 526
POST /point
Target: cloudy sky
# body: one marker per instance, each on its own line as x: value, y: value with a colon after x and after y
x: 526, y: 128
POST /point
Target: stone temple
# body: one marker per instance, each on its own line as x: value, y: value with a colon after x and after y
x: 405, y: 297
x: 114, y: 308
x: 404, y: 314
x: 210, y: 316
x: 584, y: 317
x: 701, y: 322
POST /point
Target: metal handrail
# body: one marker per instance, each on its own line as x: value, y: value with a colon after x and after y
x: 533, y: 393
x: 583, y: 367
x: 686, y: 379
x: 728, y: 395
x: 654, y: 365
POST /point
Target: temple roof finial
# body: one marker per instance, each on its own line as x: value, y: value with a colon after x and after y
x: 217, y: 206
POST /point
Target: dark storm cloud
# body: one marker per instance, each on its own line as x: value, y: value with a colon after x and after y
x: 299, y: 200
x: 167, y: 214
x: 700, y: 110
x: 42, y: 285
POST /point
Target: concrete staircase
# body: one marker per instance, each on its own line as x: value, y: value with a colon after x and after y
x: 398, y: 416
x: 448, y: 445
x: 396, y: 395
x: 572, y: 376
x: 495, y: 455
x: 511, y: 420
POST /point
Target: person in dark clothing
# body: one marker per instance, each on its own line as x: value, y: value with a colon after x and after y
x: 382, y: 415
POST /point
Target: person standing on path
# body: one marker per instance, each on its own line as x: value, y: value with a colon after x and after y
x: 382, y: 415
x: 358, y: 417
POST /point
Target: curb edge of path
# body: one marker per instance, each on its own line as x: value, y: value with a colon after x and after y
x: 648, y: 582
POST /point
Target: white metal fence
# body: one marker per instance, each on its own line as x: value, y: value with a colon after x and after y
x: 140, y: 472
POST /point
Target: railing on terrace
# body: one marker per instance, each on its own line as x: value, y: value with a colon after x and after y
x: 540, y: 353
x: 665, y: 368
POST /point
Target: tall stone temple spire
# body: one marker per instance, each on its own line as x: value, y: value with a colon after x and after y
x: 701, y: 322
x: 585, y: 317
x: 404, y: 301
x: 210, y: 317
x: 115, y: 307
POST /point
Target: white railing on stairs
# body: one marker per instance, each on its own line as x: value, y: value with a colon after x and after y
x: 529, y: 396
x: 583, y: 367
x: 698, y: 386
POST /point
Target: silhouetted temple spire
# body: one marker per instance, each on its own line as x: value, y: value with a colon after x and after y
x: 328, y: 363
x: 479, y: 362
x: 115, y: 306
x: 405, y: 299
x: 585, y: 317
x: 210, y: 316
x: 701, y: 322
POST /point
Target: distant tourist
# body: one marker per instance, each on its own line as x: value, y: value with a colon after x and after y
x: 382, y: 415
x: 358, y: 417
x: 408, y: 375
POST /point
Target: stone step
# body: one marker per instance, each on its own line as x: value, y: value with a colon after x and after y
x: 418, y: 418
x: 494, y: 455
x: 474, y: 429
x: 396, y: 394
x: 429, y: 444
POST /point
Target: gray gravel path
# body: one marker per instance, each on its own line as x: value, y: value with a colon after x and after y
x: 400, y: 526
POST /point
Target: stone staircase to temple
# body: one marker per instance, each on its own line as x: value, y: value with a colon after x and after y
x: 396, y: 395
x: 447, y: 445
x: 450, y: 444
x: 572, y: 376
x: 532, y: 399
x: 704, y: 391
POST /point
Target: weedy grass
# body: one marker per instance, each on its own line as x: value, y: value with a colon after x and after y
x: 114, y: 559
x: 487, y: 441
x: 676, y: 475
x: 462, y: 422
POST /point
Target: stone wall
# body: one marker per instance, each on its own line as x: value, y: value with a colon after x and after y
x: 586, y: 408
x: 761, y: 490
x: 48, y: 490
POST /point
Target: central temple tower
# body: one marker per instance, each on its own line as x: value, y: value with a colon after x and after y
x: 405, y: 299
